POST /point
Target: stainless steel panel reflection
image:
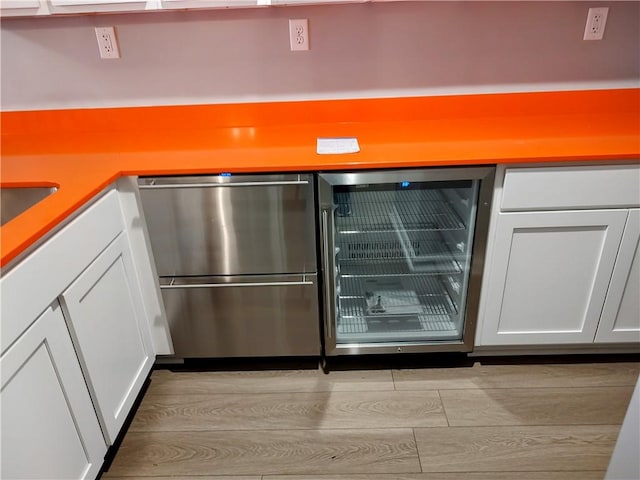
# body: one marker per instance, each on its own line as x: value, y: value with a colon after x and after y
x: 189, y: 181
x: 231, y: 225
x: 412, y: 175
x: 244, y: 316
x: 16, y: 200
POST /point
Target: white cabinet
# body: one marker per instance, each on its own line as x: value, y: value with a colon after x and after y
x: 210, y: 4
x: 107, y: 321
x: 562, y: 257
x: 49, y: 427
x: 59, y: 3
x: 552, y: 270
x: 95, y: 6
x: 313, y: 2
x: 620, y: 321
x: 69, y: 381
x: 23, y: 8
x: 13, y: 4
x: 28, y: 8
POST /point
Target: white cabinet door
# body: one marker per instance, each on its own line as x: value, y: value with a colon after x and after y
x: 95, y: 6
x: 211, y: 3
x: 19, y: 4
x: 620, y: 321
x: 49, y: 426
x: 23, y: 8
x: 58, y: 3
x: 108, y: 323
x: 549, y: 276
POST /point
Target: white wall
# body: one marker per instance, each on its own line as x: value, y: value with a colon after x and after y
x: 357, y: 50
x: 624, y: 464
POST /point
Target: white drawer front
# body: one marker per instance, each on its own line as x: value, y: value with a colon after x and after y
x: 571, y: 187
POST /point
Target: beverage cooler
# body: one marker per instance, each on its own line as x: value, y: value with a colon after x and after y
x: 402, y: 257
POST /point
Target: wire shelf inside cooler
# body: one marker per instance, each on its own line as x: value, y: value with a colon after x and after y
x: 424, y: 328
x: 373, y: 254
x: 396, y: 309
x: 380, y: 211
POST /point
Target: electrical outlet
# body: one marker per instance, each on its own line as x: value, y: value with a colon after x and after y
x: 107, y: 42
x: 299, y: 34
x: 596, y: 21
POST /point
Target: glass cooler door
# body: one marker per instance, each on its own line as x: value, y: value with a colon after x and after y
x: 400, y: 256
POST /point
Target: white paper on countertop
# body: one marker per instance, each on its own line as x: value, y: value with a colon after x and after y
x: 337, y: 145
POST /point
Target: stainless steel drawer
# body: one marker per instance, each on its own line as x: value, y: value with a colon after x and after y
x: 247, y: 316
x: 231, y: 225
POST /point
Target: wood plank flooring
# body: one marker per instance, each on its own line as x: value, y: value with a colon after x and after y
x: 531, y: 422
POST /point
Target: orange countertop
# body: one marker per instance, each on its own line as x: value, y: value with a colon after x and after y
x: 83, y: 151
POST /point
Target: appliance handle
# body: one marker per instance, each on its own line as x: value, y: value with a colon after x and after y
x: 218, y: 185
x: 328, y: 317
x: 236, y: 284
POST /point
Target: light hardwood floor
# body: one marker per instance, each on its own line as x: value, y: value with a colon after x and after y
x: 486, y: 422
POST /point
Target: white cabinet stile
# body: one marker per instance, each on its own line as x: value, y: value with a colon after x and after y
x: 49, y: 427
x: 136, y: 227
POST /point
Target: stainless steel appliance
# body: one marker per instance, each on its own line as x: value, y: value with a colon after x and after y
x: 402, y: 255
x: 236, y: 257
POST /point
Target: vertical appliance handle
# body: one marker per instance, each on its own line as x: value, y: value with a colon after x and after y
x: 327, y: 271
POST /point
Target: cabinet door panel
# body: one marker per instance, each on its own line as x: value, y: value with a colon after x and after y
x: 107, y: 321
x: 550, y: 275
x: 620, y: 321
x: 95, y: 6
x: 23, y: 8
x: 210, y: 3
x: 56, y: 438
x: 6, y: 4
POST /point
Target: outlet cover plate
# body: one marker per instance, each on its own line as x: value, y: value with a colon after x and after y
x: 107, y: 42
x: 596, y: 21
x: 299, y: 34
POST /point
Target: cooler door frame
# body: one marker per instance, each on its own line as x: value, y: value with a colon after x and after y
x: 325, y: 183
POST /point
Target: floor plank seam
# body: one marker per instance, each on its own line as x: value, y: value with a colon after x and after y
x: 413, y: 431
x: 530, y: 425
x: 513, y: 388
x: 444, y: 410
x: 498, y: 425
x: 331, y: 392
x: 304, y: 429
